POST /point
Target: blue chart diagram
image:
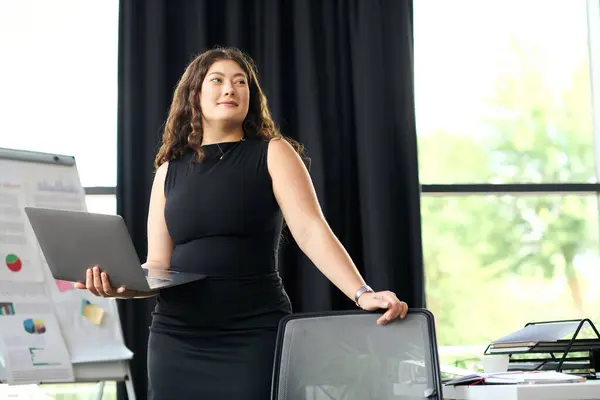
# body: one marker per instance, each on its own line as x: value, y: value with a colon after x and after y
x: 34, y: 326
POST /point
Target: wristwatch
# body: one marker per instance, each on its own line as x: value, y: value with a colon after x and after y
x: 363, y: 289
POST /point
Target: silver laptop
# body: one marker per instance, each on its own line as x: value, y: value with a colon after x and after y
x: 73, y: 241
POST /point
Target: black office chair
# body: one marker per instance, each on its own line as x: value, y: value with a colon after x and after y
x: 345, y: 355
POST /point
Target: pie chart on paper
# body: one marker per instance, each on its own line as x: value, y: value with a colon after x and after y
x: 13, y: 262
x: 34, y: 326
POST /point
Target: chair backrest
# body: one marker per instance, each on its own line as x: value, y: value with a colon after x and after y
x: 345, y: 355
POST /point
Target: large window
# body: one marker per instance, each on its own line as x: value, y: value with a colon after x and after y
x: 505, y: 120
x: 59, y: 86
x: 58, y: 94
x: 59, y: 82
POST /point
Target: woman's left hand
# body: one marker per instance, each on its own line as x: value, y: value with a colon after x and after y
x: 386, y: 300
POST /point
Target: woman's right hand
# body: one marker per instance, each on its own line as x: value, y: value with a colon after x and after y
x: 97, y: 283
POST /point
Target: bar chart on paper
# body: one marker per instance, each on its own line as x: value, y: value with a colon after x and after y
x: 41, y: 357
x: 7, y: 309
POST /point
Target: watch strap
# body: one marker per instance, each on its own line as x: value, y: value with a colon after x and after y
x: 363, y: 289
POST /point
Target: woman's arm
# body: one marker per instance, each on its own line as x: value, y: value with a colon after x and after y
x: 160, y: 244
x: 297, y: 199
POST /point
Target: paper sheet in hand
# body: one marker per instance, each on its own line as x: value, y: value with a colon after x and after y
x: 540, y: 333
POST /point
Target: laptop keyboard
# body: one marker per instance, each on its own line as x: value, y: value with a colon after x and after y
x: 157, y: 281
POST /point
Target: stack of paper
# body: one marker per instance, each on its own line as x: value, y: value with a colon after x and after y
x: 526, y: 377
x: 531, y: 335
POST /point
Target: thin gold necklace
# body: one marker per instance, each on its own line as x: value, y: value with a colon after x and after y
x: 232, y: 147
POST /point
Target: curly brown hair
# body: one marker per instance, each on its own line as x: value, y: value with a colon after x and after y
x: 183, y: 128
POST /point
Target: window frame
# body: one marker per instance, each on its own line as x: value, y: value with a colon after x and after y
x: 100, y: 190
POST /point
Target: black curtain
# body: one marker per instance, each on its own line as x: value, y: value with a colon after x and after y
x: 339, y: 78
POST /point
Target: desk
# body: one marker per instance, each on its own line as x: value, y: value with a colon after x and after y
x: 589, y: 390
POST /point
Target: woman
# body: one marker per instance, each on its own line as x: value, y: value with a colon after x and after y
x: 225, y: 181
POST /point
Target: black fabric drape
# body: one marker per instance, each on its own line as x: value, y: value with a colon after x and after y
x: 339, y: 78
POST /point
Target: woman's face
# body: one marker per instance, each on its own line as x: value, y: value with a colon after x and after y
x: 225, y: 95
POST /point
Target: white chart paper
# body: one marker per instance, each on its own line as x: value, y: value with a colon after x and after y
x: 17, y: 257
x: 43, y: 326
x: 80, y: 332
x: 32, y: 342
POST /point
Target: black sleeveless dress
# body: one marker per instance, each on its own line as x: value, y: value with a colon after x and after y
x: 215, y: 338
